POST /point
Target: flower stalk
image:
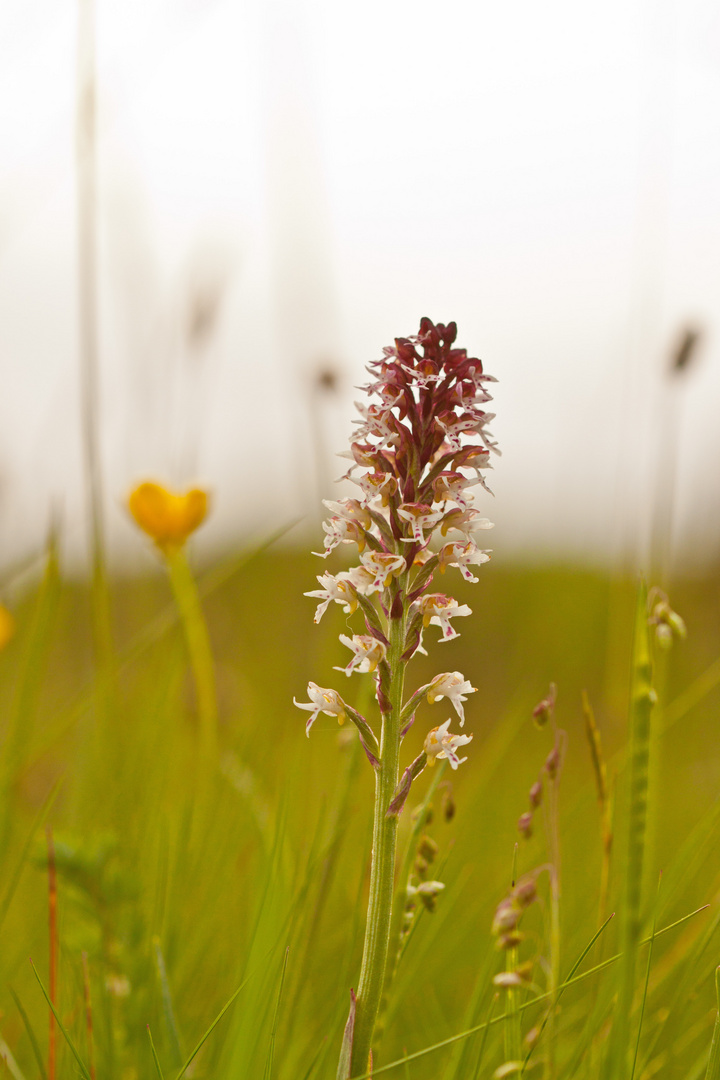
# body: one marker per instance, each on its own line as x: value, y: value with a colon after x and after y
x: 414, y: 457
x: 169, y: 519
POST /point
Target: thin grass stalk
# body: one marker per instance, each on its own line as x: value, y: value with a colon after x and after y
x: 570, y: 975
x: 88, y: 1016
x: 605, y: 802
x: 459, y: 1064
x: 486, y: 1031
x: 86, y: 166
x: 713, y: 1069
x: 167, y: 1002
x: 13, y: 878
x: 271, y: 1046
x: 645, y: 991
x: 337, y: 830
x: 512, y: 1030
x: 29, y: 680
x: 382, y: 870
x: 153, y: 1051
x: 66, y: 718
x: 53, y: 950
x: 537, y: 1000
x: 73, y: 1049
x: 554, y: 851
x: 34, y: 1043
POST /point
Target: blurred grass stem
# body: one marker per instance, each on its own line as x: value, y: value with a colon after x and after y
x: 87, y: 245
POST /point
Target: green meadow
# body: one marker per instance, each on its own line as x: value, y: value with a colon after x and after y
x: 243, y: 898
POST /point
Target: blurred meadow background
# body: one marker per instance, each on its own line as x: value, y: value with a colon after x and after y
x: 212, y: 215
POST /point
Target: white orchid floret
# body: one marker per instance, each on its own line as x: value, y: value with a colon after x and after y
x: 375, y: 422
x: 450, y: 486
x: 379, y: 484
x: 362, y: 580
x: 463, y: 556
x: 465, y: 521
x: 451, y: 685
x: 367, y: 653
x: 423, y: 555
x: 455, y: 428
x: 322, y: 700
x: 389, y: 394
x: 334, y: 587
x: 363, y: 456
x: 339, y: 531
x: 384, y: 566
x: 440, y: 744
x: 438, y: 609
x: 477, y: 458
x: 350, y: 510
x: 420, y: 517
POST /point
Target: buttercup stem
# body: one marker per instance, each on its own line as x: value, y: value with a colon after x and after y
x: 382, y: 871
x: 201, y: 660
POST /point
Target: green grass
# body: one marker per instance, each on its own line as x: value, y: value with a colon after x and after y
x: 235, y: 927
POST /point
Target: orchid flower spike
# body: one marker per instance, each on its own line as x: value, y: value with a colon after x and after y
x: 421, y: 443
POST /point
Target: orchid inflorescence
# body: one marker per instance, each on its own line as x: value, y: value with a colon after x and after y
x: 421, y: 445
x: 417, y: 452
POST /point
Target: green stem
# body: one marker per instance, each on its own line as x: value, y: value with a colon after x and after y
x: 407, y: 863
x: 382, y: 872
x: 201, y: 660
x: 512, y: 1031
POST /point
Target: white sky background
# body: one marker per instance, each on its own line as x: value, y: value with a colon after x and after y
x: 320, y: 175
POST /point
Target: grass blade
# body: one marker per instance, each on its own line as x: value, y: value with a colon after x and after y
x: 212, y: 1027
x: 154, y: 1054
x: 493, y: 1002
x: 68, y: 1040
x: 713, y: 1069
x: 168, y: 1009
x: 31, y: 1035
x: 561, y: 991
x: 314, y: 1063
x: 14, y: 878
x: 271, y: 1047
x: 645, y: 990
x: 538, y: 999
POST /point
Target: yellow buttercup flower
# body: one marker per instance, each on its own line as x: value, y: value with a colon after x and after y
x: 7, y: 626
x: 166, y: 517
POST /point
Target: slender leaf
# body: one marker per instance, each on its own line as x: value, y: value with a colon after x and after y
x: 154, y: 1054
x: 271, y: 1048
x: 212, y: 1027
x: 713, y: 1069
x: 68, y: 1040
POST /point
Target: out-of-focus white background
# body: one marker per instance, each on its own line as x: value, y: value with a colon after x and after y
x: 286, y: 186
